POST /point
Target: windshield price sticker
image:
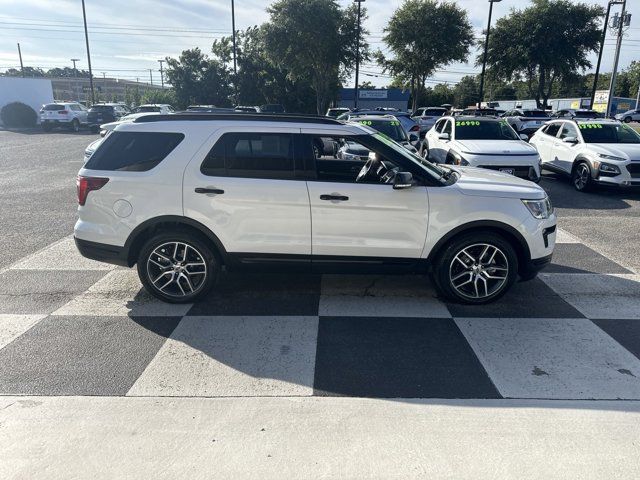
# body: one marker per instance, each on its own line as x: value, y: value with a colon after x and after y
x: 589, y: 125
x: 395, y: 123
x: 366, y: 122
x: 468, y: 123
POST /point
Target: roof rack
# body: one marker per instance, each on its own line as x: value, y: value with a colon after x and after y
x: 257, y: 117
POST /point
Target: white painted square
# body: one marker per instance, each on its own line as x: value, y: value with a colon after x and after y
x: 599, y: 295
x: 120, y: 293
x: 380, y: 296
x: 62, y: 255
x: 12, y: 326
x: 234, y: 356
x: 562, y: 236
x: 552, y: 358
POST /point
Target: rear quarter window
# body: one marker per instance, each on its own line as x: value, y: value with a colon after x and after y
x: 133, y: 151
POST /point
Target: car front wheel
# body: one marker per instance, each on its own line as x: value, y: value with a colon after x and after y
x: 581, y: 177
x: 177, y: 268
x: 627, y: 119
x: 476, y: 268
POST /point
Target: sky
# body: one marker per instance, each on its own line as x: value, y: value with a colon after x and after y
x: 127, y: 37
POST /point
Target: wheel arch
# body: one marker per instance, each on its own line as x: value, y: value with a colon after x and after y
x: 509, y: 233
x: 580, y: 158
x: 145, y: 230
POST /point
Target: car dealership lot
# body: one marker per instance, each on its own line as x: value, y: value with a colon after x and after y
x: 252, y: 373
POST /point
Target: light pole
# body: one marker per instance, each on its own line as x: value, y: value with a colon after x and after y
x: 486, y: 48
x: 151, y: 75
x: 86, y: 38
x: 161, y: 73
x: 235, y: 66
x: 614, y: 73
x: 602, y: 39
x: 355, y: 96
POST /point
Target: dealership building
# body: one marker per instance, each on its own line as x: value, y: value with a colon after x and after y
x: 374, y: 98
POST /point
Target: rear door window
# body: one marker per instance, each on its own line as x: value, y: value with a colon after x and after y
x: 133, y: 151
x: 553, y: 129
x: 251, y: 155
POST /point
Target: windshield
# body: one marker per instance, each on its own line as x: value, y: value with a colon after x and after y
x: 146, y: 109
x: 54, y: 107
x: 435, y: 171
x: 601, y: 133
x: 433, y: 112
x: 484, y: 130
x: 535, y: 113
x: 391, y: 129
x: 587, y: 114
x: 101, y: 108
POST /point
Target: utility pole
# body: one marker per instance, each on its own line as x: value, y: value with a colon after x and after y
x: 86, y: 38
x: 486, y: 49
x: 235, y: 66
x: 612, y: 86
x: 151, y: 75
x: 21, y: 65
x: 602, y: 39
x: 161, y: 73
x: 355, y: 96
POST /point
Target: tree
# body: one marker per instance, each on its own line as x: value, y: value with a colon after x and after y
x: 196, y: 78
x: 466, y: 91
x: 28, y: 72
x: 314, y: 40
x: 543, y: 43
x: 424, y: 35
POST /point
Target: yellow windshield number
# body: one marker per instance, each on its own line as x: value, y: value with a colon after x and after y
x: 467, y: 123
x: 587, y: 126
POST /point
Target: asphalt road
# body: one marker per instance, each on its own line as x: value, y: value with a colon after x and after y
x: 37, y: 189
x: 37, y: 194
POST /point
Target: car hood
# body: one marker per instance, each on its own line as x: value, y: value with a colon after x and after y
x: 489, y: 183
x: 628, y: 151
x: 495, y: 147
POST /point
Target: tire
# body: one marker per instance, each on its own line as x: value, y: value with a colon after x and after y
x: 46, y: 127
x: 183, y: 284
x: 75, y: 125
x: 627, y: 119
x: 581, y: 177
x: 498, y: 260
x: 424, y: 150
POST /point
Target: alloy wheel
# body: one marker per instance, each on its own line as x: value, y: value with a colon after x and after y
x: 581, y: 177
x: 177, y: 269
x: 479, y: 271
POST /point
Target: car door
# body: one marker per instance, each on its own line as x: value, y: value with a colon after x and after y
x: 443, y: 144
x: 363, y: 221
x: 544, y: 141
x: 433, y: 142
x: 244, y: 187
x: 564, y: 152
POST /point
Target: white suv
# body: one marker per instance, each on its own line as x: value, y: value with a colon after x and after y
x: 71, y: 115
x: 591, y: 152
x: 183, y: 195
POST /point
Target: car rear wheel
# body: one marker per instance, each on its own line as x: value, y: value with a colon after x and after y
x: 476, y: 268
x: 75, y: 125
x: 177, y: 267
x: 581, y: 177
x: 627, y: 119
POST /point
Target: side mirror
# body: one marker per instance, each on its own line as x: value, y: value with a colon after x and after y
x: 444, y: 136
x: 524, y: 136
x: 570, y: 140
x: 413, y: 137
x: 402, y: 180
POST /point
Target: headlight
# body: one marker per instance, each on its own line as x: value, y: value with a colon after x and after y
x: 611, y: 157
x: 608, y: 168
x: 539, y: 208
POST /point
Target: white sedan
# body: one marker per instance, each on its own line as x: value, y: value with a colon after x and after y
x: 482, y: 142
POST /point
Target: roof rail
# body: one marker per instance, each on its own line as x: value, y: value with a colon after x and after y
x: 257, y: 117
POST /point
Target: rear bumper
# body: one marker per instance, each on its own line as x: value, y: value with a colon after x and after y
x: 102, y: 252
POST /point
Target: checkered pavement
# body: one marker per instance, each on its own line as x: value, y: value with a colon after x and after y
x: 71, y: 326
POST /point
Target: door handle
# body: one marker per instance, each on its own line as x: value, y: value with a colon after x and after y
x: 339, y: 198
x: 217, y: 191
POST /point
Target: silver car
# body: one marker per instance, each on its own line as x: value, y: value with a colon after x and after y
x: 629, y: 116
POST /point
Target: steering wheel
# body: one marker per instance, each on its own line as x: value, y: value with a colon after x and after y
x: 372, y: 170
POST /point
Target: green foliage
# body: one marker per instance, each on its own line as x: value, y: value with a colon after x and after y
x: 28, y: 72
x: 198, y: 79
x: 159, y: 96
x: 18, y: 115
x: 425, y: 35
x: 544, y: 43
x: 314, y: 40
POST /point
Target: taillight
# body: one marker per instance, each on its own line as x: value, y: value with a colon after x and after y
x: 87, y: 184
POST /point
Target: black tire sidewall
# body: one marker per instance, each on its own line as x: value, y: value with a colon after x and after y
x: 441, y: 268
x: 75, y: 125
x: 627, y: 119
x: 199, y: 244
x: 587, y: 187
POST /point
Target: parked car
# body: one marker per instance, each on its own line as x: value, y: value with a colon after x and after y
x: 480, y: 112
x: 105, y: 113
x: 272, y: 108
x: 576, y: 113
x: 336, y: 111
x: 235, y: 196
x: 481, y: 142
x: 629, y: 116
x: 408, y: 124
x: 425, y: 117
x: 206, y: 109
x: 247, y: 109
x: 591, y: 152
x: 391, y: 127
x: 162, y: 108
x: 526, y: 121
x: 70, y: 115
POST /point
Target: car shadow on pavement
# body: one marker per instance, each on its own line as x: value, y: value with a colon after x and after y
x: 563, y: 195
